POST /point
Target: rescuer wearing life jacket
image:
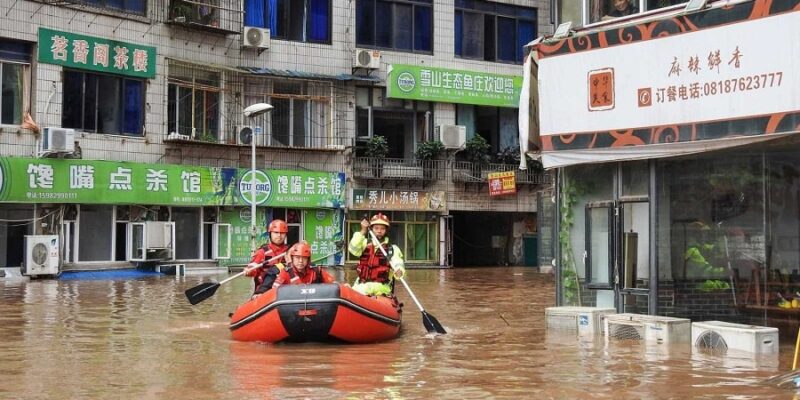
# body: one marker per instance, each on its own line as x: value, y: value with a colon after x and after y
x: 376, y: 272
x: 297, y: 271
x: 260, y: 270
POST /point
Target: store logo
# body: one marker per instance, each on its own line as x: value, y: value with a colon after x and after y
x: 321, y: 214
x: 244, y: 214
x: 406, y: 82
x: 645, y: 96
x: 262, y: 185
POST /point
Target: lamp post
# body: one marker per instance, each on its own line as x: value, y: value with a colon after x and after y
x: 251, y: 112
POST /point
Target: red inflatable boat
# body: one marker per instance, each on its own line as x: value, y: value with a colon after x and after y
x: 316, y: 313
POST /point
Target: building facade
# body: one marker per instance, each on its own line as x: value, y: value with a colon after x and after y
x: 154, y: 91
x: 677, y: 178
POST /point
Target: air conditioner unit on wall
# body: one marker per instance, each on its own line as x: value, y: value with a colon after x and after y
x: 718, y: 335
x: 369, y: 59
x: 451, y: 136
x: 57, y: 140
x: 255, y: 37
x: 159, y: 235
x: 581, y: 320
x: 651, y: 329
x: 244, y: 134
x: 41, y: 255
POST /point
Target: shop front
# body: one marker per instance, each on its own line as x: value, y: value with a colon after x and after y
x: 115, y: 213
x: 678, y: 179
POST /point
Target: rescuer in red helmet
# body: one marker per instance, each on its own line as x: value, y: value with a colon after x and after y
x: 260, y: 268
x: 298, y: 271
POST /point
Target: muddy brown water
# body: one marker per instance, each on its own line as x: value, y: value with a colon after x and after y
x: 140, y: 339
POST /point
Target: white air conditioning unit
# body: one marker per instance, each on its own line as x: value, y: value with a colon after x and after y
x: 651, y: 329
x: 41, y: 255
x: 581, y: 320
x: 451, y: 136
x: 57, y: 140
x: 244, y: 134
x: 718, y: 335
x: 159, y: 235
x: 369, y: 59
x: 255, y: 37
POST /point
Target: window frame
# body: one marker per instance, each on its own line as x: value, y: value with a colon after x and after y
x: 196, y: 88
x: 393, y: 3
x: 122, y: 80
x: 285, y: 20
x: 103, y: 5
x: 488, y: 9
x: 26, y: 89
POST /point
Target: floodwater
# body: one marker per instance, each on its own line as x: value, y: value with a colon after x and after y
x: 140, y: 339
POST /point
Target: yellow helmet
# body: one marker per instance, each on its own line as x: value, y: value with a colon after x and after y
x: 379, y: 219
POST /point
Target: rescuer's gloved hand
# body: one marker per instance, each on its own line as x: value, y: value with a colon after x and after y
x: 252, y: 269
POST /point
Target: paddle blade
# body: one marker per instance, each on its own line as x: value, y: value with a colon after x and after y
x: 431, y: 324
x: 201, y: 292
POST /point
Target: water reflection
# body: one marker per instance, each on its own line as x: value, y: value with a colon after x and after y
x: 140, y: 339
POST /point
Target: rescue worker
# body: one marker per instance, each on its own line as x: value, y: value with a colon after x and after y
x: 376, y: 272
x: 260, y: 270
x: 297, y: 271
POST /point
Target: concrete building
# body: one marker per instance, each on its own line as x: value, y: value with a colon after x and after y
x: 159, y: 164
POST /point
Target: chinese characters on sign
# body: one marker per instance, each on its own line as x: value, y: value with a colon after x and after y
x: 502, y: 183
x: 601, y: 89
x: 713, y: 86
x: 388, y: 199
x: 453, y: 86
x: 96, y: 54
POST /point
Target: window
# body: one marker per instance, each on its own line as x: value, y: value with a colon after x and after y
x: 297, y: 20
x: 498, y: 125
x: 402, y: 122
x: 193, y: 105
x: 603, y: 10
x: 492, y: 31
x: 15, y: 58
x: 131, y: 6
x: 404, y: 25
x: 301, y: 114
x: 103, y: 103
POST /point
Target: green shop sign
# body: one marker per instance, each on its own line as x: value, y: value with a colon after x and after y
x: 96, y: 54
x: 453, y: 86
x: 44, y: 180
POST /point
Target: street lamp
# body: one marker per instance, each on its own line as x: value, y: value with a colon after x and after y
x: 251, y: 112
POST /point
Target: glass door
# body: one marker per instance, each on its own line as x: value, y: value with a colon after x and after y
x: 137, y: 241
x: 633, y: 255
x: 221, y: 241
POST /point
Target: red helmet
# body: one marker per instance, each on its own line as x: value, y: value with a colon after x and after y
x: 379, y: 219
x: 278, y: 225
x: 301, y: 249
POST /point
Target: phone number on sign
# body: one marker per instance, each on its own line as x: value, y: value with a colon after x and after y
x: 49, y: 195
x: 743, y: 84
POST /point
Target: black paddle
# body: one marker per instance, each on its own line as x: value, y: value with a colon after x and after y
x: 430, y: 322
x: 206, y: 290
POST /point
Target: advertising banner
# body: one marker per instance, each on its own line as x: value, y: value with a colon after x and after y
x: 45, y: 180
x: 96, y: 54
x: 502, y: 183
x: 397, y: 199
x: 323, y: 230
x: 453, y: 86
x: 732, y: 71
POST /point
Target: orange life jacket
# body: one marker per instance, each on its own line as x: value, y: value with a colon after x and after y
x: 373, y: 266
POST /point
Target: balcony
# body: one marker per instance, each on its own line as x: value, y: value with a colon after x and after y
x: 284, y: 142
x: 468, y: 172
x: 399, y: 169
x: 219, y: 16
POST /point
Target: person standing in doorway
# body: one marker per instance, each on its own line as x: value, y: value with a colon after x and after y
x: 376, y: 270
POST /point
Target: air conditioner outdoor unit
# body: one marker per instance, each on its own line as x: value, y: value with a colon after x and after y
x: 651, y: 329
x: 41, y: 255
x: 244, y: 134
x: 451, y: 136
x: 159, y: 235
x: 581, y: 320
x: 370, y: 59
x: 255, y: 37
x: 57, y: 140
x: 718, y: 335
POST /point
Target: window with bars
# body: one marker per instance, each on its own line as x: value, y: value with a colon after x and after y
x: 493, y: 31
x: 297, y: 20
x: 193, y: 106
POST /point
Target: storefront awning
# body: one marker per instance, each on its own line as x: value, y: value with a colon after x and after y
x: 285, y: 73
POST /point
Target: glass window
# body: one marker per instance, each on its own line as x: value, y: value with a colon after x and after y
x: 296, y: 20
x: 193, y: 103
x: 492, y: 31
x: 132, y: 6
x: 404, y: 25
x: 103, y: 103
x: 15, y: 60
x: 94, y: 230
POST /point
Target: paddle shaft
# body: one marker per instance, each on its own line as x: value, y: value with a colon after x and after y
x: 377, y: 243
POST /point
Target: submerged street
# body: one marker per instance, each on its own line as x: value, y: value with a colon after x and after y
x: 138, y: 338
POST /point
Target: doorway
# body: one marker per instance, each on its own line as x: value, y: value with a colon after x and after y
x: 16, y: 221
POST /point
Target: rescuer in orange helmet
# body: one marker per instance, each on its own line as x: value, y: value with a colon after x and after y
x: 260, y: 268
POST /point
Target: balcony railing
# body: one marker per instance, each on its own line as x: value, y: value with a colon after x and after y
x: 465, y: 171
x: 221, y: 16
x: 398, y: 169
x: 295, y: 142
